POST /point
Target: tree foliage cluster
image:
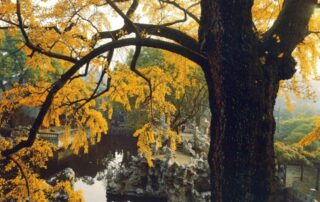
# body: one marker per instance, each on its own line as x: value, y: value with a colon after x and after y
x: 188, y: 93
x: 178, y: 94
x: 294, y: 154
x: 297, y: 142
x: 291, y: 131
x: 19, y: 180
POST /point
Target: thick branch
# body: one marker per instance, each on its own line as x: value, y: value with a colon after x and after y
x: 132, y: 8
x: 86, y: 70
x: 201, y: 60
x: 157, y: 30
x: 192, y: 55
x: 291, y: 26
x: 290, y: 29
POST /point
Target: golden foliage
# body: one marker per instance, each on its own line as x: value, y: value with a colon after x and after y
x: 264, y: 14
x: 312, y: 136
x: 13, y: 184
x: 86, y: 117
x: 295, y: 154
x: 176, y: 76
x: 306, y: 53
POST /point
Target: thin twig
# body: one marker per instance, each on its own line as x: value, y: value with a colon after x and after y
x: 22, y: 172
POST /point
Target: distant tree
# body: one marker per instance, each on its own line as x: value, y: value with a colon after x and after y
x: 302, y: 125
x: 313, y: 136
x: 13, y: 63
x: 293, y: 154
x: 292, y: 131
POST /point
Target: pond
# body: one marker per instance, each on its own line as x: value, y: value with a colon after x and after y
x: 92, y: 192
x: 94, y: 187
x: 93, y: 162
x: 90, y: 168
x: 113, y: 163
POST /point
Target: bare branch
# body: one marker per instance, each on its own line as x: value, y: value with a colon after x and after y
x: 94, y: 94
x: 81, y: 75
x: 89, y: 21
x: 55, y: 28
x: 157, y: 30
x: 10, y: 23
x: 184, y: 10
x: 127, y: 21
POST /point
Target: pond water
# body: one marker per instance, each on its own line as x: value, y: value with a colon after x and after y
x: 94, y: 188
x: 92, y: 192
x: 97, y: 158
x: 90, y: 168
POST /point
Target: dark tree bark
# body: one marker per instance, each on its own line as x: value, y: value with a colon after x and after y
x: 243, y: 80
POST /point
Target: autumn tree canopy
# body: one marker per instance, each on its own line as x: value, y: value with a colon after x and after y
x: 245, y: 48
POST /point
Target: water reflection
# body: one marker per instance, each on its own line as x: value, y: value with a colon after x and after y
x: 96, y: 160
x: 105, y: 159
x: 91, y: 169
x: 92, y: 192
x: 94, y: 188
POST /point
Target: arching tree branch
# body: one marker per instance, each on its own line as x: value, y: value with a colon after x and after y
x: 192, y: 55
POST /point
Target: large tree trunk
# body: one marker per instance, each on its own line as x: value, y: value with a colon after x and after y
x: 243, y: 85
